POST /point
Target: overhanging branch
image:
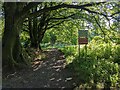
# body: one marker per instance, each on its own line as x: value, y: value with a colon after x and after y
x: 25, y: 11
x: 100, y: 27
x: 90, y: 11
x: 62, y: 17
x: 62, y: 6
x: 55, y: 24
x: 115, y: 13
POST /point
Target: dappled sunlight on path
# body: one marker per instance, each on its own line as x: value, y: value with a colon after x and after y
x: 50, y: 73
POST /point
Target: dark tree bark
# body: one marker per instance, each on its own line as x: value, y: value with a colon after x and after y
x: 37, y: 30
x: 33, y: 31
x: 10, y: 34
x: 11, y: 47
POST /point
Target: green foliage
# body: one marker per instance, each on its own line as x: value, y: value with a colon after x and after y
x: 116, y: 53
x: 52, y: 38
x: 65, y: 33
x: 24, y: 38
x: 105, y: 71
x: 46, y: 38
x: 69, y: 50
x: 101, y: 64
x: 1, y: 27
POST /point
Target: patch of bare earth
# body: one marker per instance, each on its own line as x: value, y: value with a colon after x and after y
x: 47, y: 73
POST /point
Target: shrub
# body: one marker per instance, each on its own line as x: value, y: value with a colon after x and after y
x: 116, y: 53
x: 100, y: 64
x: 98, y: 71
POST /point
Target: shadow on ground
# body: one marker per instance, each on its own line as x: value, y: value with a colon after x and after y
x: 48, y: 73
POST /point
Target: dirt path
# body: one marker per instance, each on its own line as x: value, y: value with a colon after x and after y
x: 49, y: 73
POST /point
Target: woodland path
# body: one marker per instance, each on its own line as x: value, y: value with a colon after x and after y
x: 48, y: 73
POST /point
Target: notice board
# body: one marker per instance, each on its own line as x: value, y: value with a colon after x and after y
x: 83, y: 37
x: 83, y: 33
x: 83, y: 40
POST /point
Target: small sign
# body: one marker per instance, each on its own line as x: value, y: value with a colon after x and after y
x: 83, y: 40
x: 83, y: 33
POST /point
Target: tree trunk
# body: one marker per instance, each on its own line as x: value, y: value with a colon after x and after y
x: 36, y: 43
x: 33, y: 31
x: 41, y: 38
x: 9, y: 36
x: 11, y: 47
x: 33, y: 35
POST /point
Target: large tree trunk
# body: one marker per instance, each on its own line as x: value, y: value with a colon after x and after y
x: 11, y: 47
x: 10, y: 33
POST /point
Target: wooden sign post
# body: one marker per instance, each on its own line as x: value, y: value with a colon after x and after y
x: 82, y: 39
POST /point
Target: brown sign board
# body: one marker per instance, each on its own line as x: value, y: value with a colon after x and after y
x: 83, y: 40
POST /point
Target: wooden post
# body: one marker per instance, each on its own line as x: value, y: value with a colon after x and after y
x: 79, y: 50
x: 85, y: 51
x: 78, y: 46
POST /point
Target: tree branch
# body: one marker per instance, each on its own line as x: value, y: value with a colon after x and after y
x: 62, y: 6
x: 26, y: 9
x: 30, y: 6
x: 62, y: 17
x: 115, y: 13
x: 55, y: 24
x: 90, y: 11
x: 100, y: 27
